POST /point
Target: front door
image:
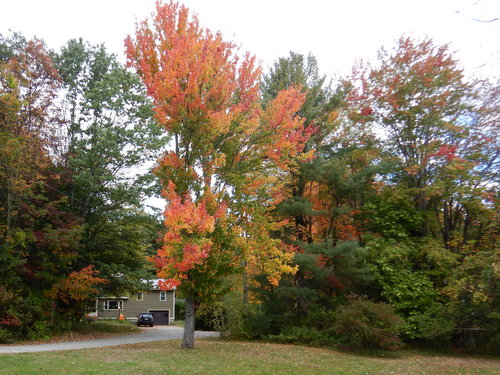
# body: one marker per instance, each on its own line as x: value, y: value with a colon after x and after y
x: 160, y: 317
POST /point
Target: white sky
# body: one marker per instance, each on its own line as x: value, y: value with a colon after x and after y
x: 336, y: 32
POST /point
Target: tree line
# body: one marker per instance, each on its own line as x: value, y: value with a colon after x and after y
x: 360, y: 212
x: 74, y: 126
x: 353, y: 211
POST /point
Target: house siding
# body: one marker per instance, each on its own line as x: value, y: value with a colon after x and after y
x: 132, y: 308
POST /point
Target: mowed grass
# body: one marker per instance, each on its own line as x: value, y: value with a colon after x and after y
x: 240, y: 358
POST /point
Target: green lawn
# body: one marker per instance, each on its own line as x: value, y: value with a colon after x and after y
x: 240, y: 358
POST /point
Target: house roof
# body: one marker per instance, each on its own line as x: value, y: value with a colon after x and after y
x: 155, y: 284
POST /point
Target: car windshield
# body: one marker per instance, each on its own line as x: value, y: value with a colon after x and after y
x: 145, y: 315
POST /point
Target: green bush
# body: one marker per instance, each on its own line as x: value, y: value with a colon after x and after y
x: 210, y: 317
x: 366, y: 324
x: 39, y: 330
x: 304, y: 335
x: 242, y: 321
x: 180, y: 309
x: 493, y: 346
x: 430, y: 325
x: 107, y: 326
x: 6, y: 337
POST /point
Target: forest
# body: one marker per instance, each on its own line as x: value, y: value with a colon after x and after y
x: 360, y: 212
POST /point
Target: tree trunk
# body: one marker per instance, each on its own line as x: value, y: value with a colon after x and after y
x: 188, y: 339
x: 446, y: 225
x: 245, y: 284
x: 8, y: 202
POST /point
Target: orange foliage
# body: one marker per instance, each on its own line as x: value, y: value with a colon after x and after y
x: 78, y: 286
x: 228, y: 151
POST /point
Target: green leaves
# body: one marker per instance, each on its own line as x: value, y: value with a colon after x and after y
x: 111, y: 135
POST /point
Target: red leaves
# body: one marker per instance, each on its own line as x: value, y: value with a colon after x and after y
x: 447, y: 152
x: 168, y: 284
x: 366, y: 111
x: 9, y: 320
x: 186, y: 242
x: 78, y: 286
x: 183, y: 215
x: 192, y: 255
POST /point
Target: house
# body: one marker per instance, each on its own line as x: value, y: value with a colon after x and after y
x: 160, y: 303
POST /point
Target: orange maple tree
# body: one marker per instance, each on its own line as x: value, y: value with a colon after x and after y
x: 71, y: 294
x: 229, y: 155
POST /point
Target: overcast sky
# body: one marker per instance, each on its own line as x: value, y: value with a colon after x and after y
x: 336, y: 32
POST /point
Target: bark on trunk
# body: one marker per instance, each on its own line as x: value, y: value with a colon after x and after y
x: 188, y: 338
x: 245, y: 284
x: 8, y: 202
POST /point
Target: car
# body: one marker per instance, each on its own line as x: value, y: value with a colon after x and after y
x: 145, y: 319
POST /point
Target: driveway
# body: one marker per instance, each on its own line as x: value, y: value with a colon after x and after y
x: 158, y: 333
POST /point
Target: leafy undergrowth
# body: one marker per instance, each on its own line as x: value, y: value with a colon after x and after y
x: 87, y: 331
x: 108, y: 326
x: 231, y: 357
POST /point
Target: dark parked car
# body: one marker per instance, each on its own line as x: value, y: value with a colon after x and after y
x: 145, y: 319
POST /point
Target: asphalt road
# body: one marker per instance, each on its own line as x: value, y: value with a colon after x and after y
x: 148, y: 334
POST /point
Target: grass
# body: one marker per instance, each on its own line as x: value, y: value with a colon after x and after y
x: 232, y: 357
x: 86, y: 331
x: 179, y: 323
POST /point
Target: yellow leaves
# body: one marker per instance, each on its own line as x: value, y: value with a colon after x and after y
x: 306, y: 156
x: 220, y: 160
x: 413, y: 170
x: 267, y: 256
x: 252, y: 186
x: 273, y: 280
x: 333, y: 115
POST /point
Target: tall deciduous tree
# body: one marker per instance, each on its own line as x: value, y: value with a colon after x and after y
x: 437, y: 128
x: 38, y: 237
x: 110, y: 133
x: 228, y: 156
x: 428, y: 113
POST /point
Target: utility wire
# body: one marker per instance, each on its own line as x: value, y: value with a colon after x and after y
x: 45, y: 184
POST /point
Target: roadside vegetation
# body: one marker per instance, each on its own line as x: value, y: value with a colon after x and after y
x: 359, y: 213
x: 83, y: 330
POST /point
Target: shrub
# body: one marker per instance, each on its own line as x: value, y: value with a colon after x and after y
x: 180, y: 309
x: 210, y: 317
x: 108, y: 326
x: 303, y: 335
x: 242, y: 321
x: 6, y: 337
x: 365, y: 324
x: 430, y: 325
x: 493, y: 346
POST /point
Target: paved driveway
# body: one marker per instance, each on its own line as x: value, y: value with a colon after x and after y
x: 158, y: 333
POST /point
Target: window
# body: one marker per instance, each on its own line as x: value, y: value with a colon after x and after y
x: 113, y: 305
x: 140, y: 296
x: 163, y: 296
